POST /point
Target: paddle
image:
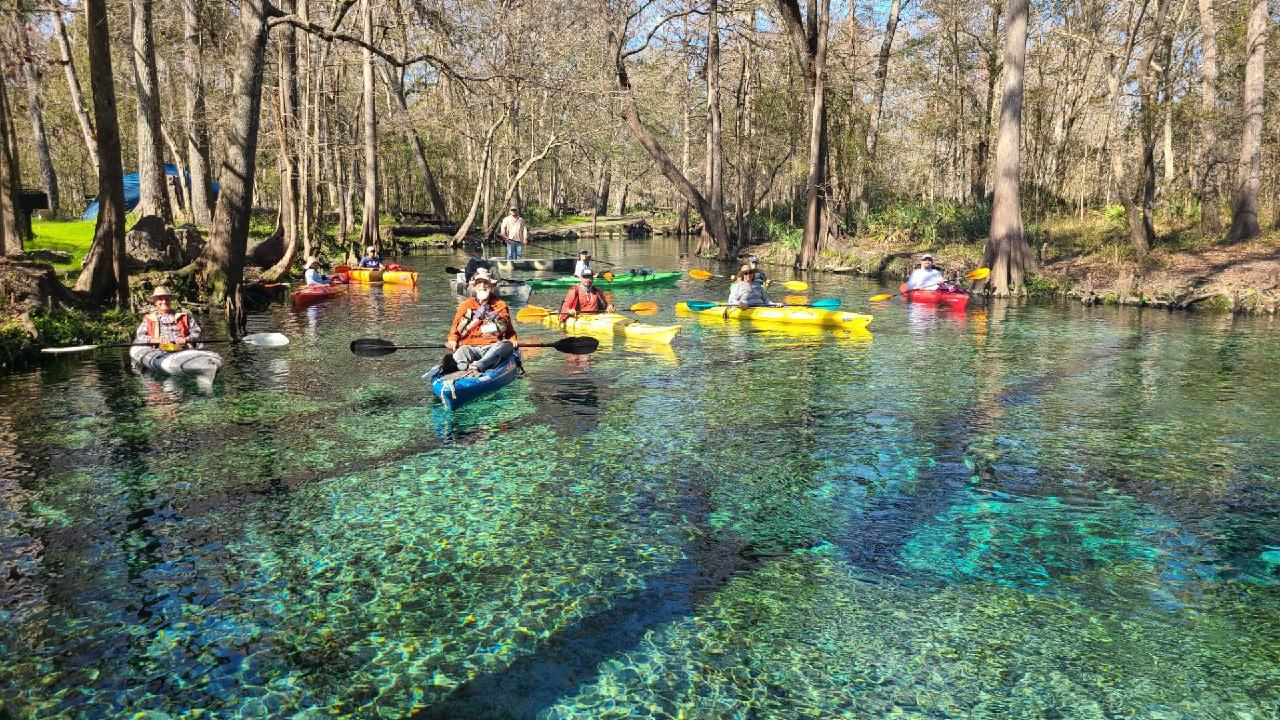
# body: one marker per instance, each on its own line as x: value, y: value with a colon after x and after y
x: 533, y: 313
x: 796, y: 285
x: 824, y: 304
x: 973, y: 275
x: 572, y: 255
x: 377, y: 347
x: 256, y: 339
x: 454, y: 271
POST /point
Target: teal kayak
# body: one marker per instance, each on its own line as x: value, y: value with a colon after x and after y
x: 619, y: 280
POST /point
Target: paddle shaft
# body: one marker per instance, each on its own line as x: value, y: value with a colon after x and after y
x: 561, y: 252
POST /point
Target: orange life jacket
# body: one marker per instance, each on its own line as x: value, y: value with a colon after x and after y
x: 153, y: 325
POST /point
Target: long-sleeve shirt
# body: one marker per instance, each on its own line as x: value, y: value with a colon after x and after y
x: 514, y: 229
x: 749, y: 293
x: 168, y: 328
x: 315, y: 277
x: 477, y: 324
x: 584, y: 301
x: 925, y: 278
x: 581, y: 266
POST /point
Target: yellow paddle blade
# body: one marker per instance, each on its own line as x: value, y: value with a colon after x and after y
x: 699, y: 274
x: 881, y: 296
x: 795, y: 300
x: 646, y: 311
x: 981, y: 273
x: 532, y: 313
x: 645, y: 307
x: 796, y: 285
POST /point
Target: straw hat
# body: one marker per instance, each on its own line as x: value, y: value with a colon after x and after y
x: 312, y: 262
x: 482, y: 275
x: 162, y: 291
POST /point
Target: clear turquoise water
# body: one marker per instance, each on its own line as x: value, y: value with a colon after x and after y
x: 1023, y: 511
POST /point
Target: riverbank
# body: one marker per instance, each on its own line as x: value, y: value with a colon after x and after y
x: 1088, y: 261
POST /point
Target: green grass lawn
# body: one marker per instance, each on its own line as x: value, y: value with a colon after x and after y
x: 74, y: 237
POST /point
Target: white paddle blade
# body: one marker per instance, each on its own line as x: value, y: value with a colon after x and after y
x: 73, y: 348
x: 269, y: 339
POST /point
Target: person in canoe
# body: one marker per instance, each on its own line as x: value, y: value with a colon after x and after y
x: 747, y: 293
x: 584, y: 298
x: 482, y: 335
x: 757, y: 275
x: 166, y: 326
x: 515, y: 232
x: 584, y: 263
x: 926, y: 277
x: 476, y: 262
x: 314, y: 276
x: 371, y: 261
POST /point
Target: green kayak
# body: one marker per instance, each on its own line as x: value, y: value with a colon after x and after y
x: 619, y: 280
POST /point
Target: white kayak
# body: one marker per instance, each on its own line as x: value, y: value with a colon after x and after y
x: 201, y: 364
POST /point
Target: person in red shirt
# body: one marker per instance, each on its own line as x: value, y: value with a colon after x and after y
x: 584, y: 299
x: 482, y: 335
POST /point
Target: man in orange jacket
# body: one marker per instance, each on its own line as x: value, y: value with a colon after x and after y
x: 482, y: 335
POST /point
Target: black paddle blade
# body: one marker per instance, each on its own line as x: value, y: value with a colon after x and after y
x: 577, y: 345
x: 372, y: 347
x: 452, y: 270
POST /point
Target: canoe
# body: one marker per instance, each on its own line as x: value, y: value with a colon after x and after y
x: 614, y: 324
x: 395, y: 277
x: 956, y: 300
x: 454, y: 390
x: 619, y: 280
x: 507, y: 290
x: 200, y: 364
x: 786, y: 314
x: 565, y: 264
x: 312, y: 294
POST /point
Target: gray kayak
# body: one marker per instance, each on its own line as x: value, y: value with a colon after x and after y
x: 565, y: 264
x: 201, y: 364
x: 517, y: 291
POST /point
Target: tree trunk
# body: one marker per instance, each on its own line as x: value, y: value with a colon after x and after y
x: 1244, y: 217
x: 982, y: 148
x: 11, y: 232
x: 810, y: 45
x: 73, y: 84
x: 631, y: 115
x: 715, y: 149
x: 514, y: 183
x: 877, y: 108
x: 602, y: 187
x: 197, y: 128
x: 1007, y: 253
x: 395, y: 80
x: 1207, y: 181
x: 35, y: 111
x: 460, y: 236
x: 369, y: 217
x: 221, y: 266
x: 290, y: 132
x: 104, y: 274
x: 682, y: 222
x: 153, y: 195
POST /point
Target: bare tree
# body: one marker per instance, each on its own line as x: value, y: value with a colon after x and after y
x: 1207, y: 180
x: 153, y: 195
x: 73, y: 85
x: 369, y: 219
x: 197, y: 128
x: 809, y: 41
x: 1244, y: 218
x: 35, y: 111
x: 105, y: 273
x: 10, y: 176
x: 877, y: 107
x: 1007, y: 252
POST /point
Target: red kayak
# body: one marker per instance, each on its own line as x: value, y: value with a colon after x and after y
x: 946, y: 295
x: 312, y: 294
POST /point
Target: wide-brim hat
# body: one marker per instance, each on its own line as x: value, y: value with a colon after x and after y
x: 312, y: 262
x: 162, y: 291
x: 483, y: 276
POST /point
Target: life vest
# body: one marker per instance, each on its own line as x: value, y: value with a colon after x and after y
x: 153, y: 325
x: 573, y: 301
x: 471, y: 321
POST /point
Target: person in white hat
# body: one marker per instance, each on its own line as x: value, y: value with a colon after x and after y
x: 584, y: 263
x: 371, y: 261
x: 925, y: 277
x: 758, y: 276
x: 313, y: 275
x: 165, y: 327
x: 482, y: 335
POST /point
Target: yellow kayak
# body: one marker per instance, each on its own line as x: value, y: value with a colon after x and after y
x: 395, y: 277
x: 786, y: 314
x: 614, y: 324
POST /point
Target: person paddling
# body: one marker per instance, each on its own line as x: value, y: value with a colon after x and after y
x: 313, y: 276
x: 482, y: 335
x: 476, y: 262
x: 925, y: 277
x: 515, y: 232
x: 584, y: 263
x: 747, y: 293
x: 166, y: 326
x: 371, y: 261
x: 584, y: 298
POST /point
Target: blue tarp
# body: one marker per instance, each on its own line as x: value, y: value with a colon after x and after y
x: 131, y: 191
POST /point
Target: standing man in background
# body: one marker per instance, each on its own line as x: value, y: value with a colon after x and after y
x: 514, y: 231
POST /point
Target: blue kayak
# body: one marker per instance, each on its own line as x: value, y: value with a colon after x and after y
x: 454, y: 390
